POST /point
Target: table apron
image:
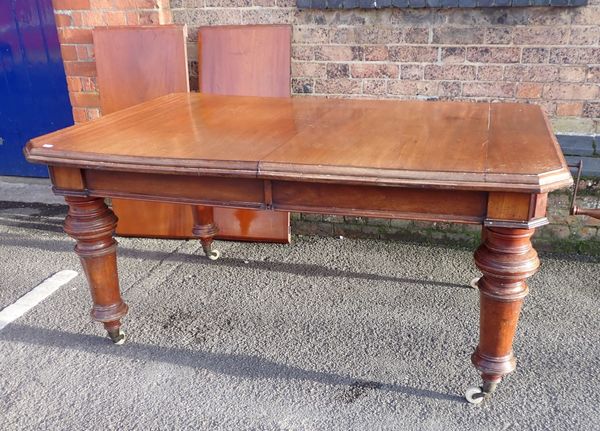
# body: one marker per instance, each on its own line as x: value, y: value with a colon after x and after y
x: 380, y: 201
x: 457, y: 206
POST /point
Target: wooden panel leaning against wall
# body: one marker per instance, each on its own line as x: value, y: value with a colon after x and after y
x: 247, y: 60
x: 126, y: 78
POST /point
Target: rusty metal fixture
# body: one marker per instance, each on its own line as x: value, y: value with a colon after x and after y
x: 575, y: 210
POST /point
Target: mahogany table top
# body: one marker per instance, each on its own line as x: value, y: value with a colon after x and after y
x: 487, y: 146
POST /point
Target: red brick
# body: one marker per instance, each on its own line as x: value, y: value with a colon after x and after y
x: 299, y: 52
x: 529, y: 90
x: 337, y: 86
x: 93, y: 113
x: 572, y: 73
x: 593, y: 74
x: 413, y: 54
x: 376, y: 53
x: 63, y: 20
x: 488, y: 89
x: 490, y: 73
x: 547, y: 16
x: 93, y: 19
x: 574, y: 109
x: 85, y: 52
x: 338, y: 53
x: 575, y: 55
x: 531, y: 73
x: 74, y: 84
x: 460, y: 35
x: 79, y: 115
x: 302, y: 86
x: 77, y: 19
x: 85, y: 100
x: 411, y: 72
x: 135, y: 4
x: 586, y: 16
x: 80, y: 68
x: 313, y: 35
x: 591, y: 109
x: 68, y: 52
x: 259, y: 15
x: 375, y: 86
x: 338, y: 70
x: 571, y: 91
x: 378, y: 35
x: 528, y: 35
x: 165, y: 16
x: 415, y: 35
x: 547, y: 106
x: 101, y: 4
x: 584, y: 36
x: 453, y: 54
x: 345, y: 36
x: 132, y: 18
x: 228, y: 3
x: 535, y: 55
x: 498, y: 35
x: 493, y: 55
x: 148, y: 18
x: 88, y: 84
x: 308, y: 70
x: 75, y: 35
x: 362, y: 70
x: 450, y: 89
x: 115, y: 18
x: 449, y: 72
x: 413, y: 88
x: 70, y: 4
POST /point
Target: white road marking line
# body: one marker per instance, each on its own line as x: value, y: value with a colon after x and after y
x: 35, y: 296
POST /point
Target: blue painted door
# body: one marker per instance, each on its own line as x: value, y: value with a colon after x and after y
x: 33, y: 90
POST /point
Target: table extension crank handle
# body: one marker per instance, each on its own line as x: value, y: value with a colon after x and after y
x: 575, y: 210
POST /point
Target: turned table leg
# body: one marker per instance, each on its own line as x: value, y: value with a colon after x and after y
x: 91, y: 223
x: 506, y: 259
x: 205, y: 229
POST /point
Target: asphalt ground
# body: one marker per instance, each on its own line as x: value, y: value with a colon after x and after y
x: 323, y: 334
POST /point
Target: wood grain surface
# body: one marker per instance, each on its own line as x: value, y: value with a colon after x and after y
x: 245, y: 60
x: 139, y: 63
x: 413, y: 143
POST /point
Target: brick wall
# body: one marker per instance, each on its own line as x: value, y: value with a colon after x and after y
x: 548, y: 56
x: 75, y: 20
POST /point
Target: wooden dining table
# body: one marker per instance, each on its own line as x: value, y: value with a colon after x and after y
x: 489, y: 164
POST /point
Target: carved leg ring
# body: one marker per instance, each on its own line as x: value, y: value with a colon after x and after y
x: 91, y: 223
x: 205, y: 229
x: 506, y: 259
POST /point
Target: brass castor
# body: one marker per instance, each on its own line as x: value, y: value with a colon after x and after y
x: 117, y: 337
x: 213, y: 254
x: 477, y: 394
